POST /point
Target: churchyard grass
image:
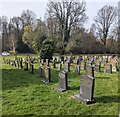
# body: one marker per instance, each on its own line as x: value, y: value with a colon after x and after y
x: 24, y: 94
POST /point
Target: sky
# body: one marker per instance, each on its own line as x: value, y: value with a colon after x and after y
x: 15, y: 8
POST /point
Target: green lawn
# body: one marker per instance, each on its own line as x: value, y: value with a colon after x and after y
x: 24, y: 94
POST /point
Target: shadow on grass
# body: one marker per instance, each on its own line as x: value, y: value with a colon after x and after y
x: 73, y: 88
x: 107, y: 99
x: 103, y: 77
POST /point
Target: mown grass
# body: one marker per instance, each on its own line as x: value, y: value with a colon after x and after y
x: 24, y: 94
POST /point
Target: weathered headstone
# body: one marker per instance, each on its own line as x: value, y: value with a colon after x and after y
x: 40, y: 72
x: 32, y: 66
x: 26, y: 64
x: 86, y: 90
x: 67, y: 66
x: 113, y: 62
x: 77, y: 69
x: 97, y: 67
x: 62, y: 76
x: 108, y: 68
x: 21, y: 63
x: 15, y: 63
x: 83, y: 65
x: 54, y: 63
x: 47, y: 75
x: 47, y: 62
x: 59, y: 66
x: 90, y: 70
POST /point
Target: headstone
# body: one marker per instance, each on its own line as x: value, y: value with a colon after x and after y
x: 12, y: 62
x: 113, y: 62
x: 90, y: 70
x: 67, y: 66
x: 40, y: 72
x: 21, y: 63
x: 97, y: 67
x: 83, y: 65
x: 26, y: 64
x: 77, y: 69
x: 15, y: 63
x: 47, y: 75
x: 62, y: 76
x: 32, y: 66
x: 59, y: 66
x: 86, y: 90
x: 54, y: 63
x: 108, y: 68
x: 47, y: 62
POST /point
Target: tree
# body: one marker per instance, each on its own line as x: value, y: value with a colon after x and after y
x: 17, y: 31
x: 40, y: 34
x: 4, y: 27
x: 68, y: 15
x: 47, y: 49
x: 104, y: 21
x: 28, y: 17
x: 28, y: 36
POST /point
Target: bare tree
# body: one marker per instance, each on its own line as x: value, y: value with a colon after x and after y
x: 28, y: 17
x: 104, y: 21
x: 12, y: 36
x: 4, y: 27
x: 68, y: 14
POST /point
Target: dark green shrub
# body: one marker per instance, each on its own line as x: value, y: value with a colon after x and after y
x: 47, y: 49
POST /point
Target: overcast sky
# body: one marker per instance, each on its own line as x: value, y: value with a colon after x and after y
x: 15, y: 7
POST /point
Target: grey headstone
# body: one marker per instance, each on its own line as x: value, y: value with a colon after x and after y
x: 26, y: 64
x: 97, y: 67
x: 59, y: 66
x: 62, y: 76
x: 108, y: 68
x: 21, y: 63
x: 83, y: 65
x: 47, y: 75
x: 90, y: 70
x: 40, y: 72
x: 67, y: 66
x: 47, y: 62
x: 77, y: 69
x: 32, y: 66
x: 86, y: 90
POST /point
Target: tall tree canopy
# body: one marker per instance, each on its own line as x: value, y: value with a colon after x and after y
x: 28, y: 17
x: 104, y: 21
x: 69, y: 14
